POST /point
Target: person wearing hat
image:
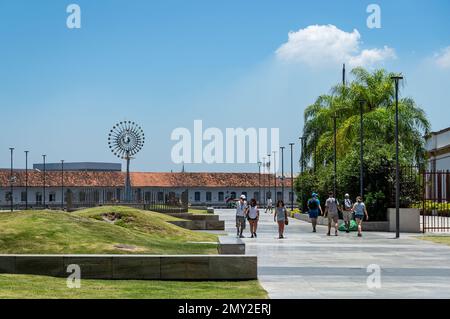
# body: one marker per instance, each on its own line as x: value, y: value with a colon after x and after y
x: 241, y: 212
x: 347, y: 212
x: 314, y: 209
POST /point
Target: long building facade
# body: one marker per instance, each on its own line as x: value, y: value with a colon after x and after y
x: 88, y: 188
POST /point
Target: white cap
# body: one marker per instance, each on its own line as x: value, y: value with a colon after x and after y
x: 243, y: 196
x: 347, y: 195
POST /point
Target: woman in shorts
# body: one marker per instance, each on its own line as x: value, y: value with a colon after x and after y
x: 253, y: 217
x: 281, y: 218
x: 360, y: 211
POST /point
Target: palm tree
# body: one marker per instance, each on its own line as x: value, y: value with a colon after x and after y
x: 377, y: 90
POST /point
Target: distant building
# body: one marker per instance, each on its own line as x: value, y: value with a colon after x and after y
x: 88, y: 187
x: 438, y: 150
x: 80, y: 166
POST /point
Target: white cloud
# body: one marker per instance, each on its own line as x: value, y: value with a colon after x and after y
x: 324, y: 44
x: 442, y: 58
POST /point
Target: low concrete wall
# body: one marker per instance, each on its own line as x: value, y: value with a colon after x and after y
x: 199, y: 221
x: 367, y: 225
x: 231, y: 246
x: 409, y: 220
x: 160, y: 267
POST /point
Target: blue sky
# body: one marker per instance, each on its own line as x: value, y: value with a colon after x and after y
x: 165, y: 64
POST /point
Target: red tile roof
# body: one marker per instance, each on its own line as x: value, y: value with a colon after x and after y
x: 138, y: 179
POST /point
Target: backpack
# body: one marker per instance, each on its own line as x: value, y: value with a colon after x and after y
x: 313, y: 204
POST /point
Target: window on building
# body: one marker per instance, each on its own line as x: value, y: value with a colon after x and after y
x: 147, y: 196
x: 221, y: 197
x: 256, y: 196
x: 52, y: 197
x: 8, y: 196
x: 233, y: 195
x: 291, y: 196
x: 96, y: 196
x: 268, y: 195
x: 197, y: 196
x: 23, y: 196
x: 38, y: 198
x: 81, y: 197
x: 279, y: 196
x: 208, y: 196
x: 118, y: 195
x: 109, y: 196
x: 160, y: 196
x: 244, y: 193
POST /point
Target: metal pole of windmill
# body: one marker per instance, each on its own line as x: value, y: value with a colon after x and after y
x: 397, y: 79
x: 264, y: 181
x: 128, y: 180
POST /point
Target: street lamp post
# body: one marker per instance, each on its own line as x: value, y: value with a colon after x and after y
x: 268, y: 176
x: 11, y: 180
x: 282, y: 172
x: 292, y: 176
x: 43, y: 188
x: 264, y: 181
x: 62, y: 184
x: 335, y: 157
x: 275, y: 175
x: 259, y: 182
x: 26, y: 179
x: 396, y: 80
x: 361, y: 148
x: 302, y: 139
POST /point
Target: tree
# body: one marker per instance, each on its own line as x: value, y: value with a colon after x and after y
x: 377, y: 90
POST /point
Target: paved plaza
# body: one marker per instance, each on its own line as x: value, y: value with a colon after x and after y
x: 313, y: 265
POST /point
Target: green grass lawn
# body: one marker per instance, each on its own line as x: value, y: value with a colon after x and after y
x: 197, y: 211
x: 442, y: 239
x: 85, y: 232
x: 42, y: 287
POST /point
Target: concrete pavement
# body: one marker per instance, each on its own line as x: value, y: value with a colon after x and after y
x: 313, y: 265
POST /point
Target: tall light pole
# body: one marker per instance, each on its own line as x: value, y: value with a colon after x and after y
x: 11, y: 179
x: 268, y: 176
x: 259, y: 182
x: 282, y: 172
x: 335, y: 155
x: 62, y: 184
x: 302, y: 139
x: 43, y: 188
x: 264, y: 181
x: 26, y: 179
x: 292, y: 175
x: 275, y: 175
x: 361, y: 148
x: 396, y: 79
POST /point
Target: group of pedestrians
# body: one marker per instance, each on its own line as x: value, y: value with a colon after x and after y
x: 250, y: 212
x: 332, y: 209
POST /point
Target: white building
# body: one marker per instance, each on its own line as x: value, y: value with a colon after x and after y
x: 438, y: 150
x: 88, y: 188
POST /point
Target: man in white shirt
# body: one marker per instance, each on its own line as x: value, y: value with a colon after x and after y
x: 241, y: 210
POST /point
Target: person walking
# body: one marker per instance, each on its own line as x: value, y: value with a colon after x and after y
x: 269, y: 205
x: 241, y: 211
x: 332, y: 212
x: 314, y: 209
x: 360, y: 211
x: 253, y: 217
x: 281, y: 217
x: 347, y: 212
